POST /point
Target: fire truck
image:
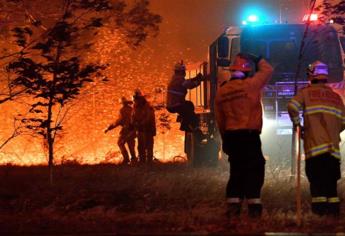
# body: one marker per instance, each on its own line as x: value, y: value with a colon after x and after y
x: 279, y: 44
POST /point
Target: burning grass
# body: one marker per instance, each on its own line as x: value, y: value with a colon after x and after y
x: 169, y: 198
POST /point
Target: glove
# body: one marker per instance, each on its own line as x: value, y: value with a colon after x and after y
x: 199, y: 77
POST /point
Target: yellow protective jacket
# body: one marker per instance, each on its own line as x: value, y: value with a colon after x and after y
x: 323, y: 118
x: 238, y: 102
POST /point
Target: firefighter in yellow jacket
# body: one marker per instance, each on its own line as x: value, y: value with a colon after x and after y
x: 127, y: 133
x: 239, y: 119
x: 324, y: 119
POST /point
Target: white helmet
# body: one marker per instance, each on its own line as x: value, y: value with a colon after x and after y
x: 317, y: 68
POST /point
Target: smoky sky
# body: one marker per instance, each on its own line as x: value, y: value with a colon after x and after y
x: 189, y: 26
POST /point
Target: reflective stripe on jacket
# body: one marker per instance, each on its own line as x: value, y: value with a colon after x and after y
x: 238, y: 102
x: 177, y: 89
x: 323, y: 117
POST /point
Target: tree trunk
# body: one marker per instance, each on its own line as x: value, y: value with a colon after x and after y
x: 50, y: 137
x: 51, y: 159
x: 50, y: 142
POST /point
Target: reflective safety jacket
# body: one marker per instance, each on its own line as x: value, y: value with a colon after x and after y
x: 238, y: 102
x: 323, y: 118
x: 177, y: 89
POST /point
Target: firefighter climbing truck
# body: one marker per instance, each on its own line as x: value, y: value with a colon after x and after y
x: 279, y: 44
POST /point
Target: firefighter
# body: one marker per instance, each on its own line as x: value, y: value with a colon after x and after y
x: 324, y: 119
x: 145, y: 125
x: 127, y: 133
x: 176, y: 102
x: 239, y: 118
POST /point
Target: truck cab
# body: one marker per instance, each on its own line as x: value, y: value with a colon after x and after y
x: 279, y: 44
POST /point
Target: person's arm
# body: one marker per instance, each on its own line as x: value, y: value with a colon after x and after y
x: 115, y: 124
x: 263, y: 74
x: 194, y: 82
x: 294, y: 106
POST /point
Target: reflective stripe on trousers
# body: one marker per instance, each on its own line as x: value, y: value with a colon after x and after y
x: 333, y: 200
x: 318, y: 199
x: 254, y: 201
x: 233, y: 200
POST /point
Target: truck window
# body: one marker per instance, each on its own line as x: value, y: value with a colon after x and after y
x: 223, y: 47
x: 283, y: 56
x: 235, y: 48
x: 256, y: 47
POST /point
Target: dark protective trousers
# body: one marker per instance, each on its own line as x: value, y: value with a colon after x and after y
x: 247, y: 165
x: 145, y: 146
x: 186, y: 111
x: 323, y: 172
x: 129, y: 139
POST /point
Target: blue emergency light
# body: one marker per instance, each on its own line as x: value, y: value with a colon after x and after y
x: 252, y: 19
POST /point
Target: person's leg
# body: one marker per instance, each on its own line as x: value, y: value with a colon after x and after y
x: 334, y: 175
x: 314, y: 168
x: 189, y: 119
x: 123, y: 150
x: 131, y: 147
x: 255, y: 174
x: 141, y: 147
x: 234, y: 188
x: 191, y: 116
x: 149, y: 147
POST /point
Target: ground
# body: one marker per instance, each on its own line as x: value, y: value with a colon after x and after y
x: 158, y: 199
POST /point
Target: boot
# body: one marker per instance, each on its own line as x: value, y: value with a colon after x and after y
x: 233, y: 209
x: 333, y: 209
x: 254, y: 210
x: 319, y: 208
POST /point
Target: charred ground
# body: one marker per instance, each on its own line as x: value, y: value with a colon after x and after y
x: 160, y: 199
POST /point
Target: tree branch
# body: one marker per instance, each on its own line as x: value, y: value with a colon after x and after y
x: 13, y: 135
x: 13, y: 95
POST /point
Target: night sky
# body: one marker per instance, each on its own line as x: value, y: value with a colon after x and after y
x: 189, y: 26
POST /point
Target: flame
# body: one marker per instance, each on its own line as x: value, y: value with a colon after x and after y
x: 83, y: 140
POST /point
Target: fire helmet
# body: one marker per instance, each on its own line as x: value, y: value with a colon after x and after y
x: 137, y: 93
x: 180, y: 66
x: 241, y: 64
x: 317, y: 70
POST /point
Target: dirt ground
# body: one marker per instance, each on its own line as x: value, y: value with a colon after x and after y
x: 159, y: 199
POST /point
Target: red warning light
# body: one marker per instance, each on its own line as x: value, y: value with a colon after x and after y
x: 313, y: 17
